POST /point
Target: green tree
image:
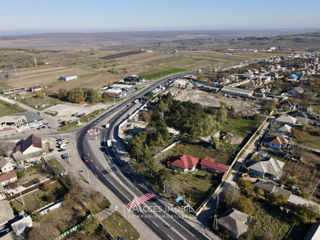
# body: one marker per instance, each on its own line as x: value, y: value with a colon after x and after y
x: 245, y: 185
x: 62, y: 94
x: 215, y: 143
x: 91, y: 225
x: 245, y: 205
x: 76, y: 95
x: 91, y: 95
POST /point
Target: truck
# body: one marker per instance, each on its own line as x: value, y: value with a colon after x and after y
x: 109, y: 143
x: 106, y: 125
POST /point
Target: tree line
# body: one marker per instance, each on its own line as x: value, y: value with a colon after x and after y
x: 80, y: 95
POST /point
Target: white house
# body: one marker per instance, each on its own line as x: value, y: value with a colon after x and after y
x: 6, y: 165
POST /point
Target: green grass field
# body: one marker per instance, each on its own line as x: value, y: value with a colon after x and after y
x: 8, y: 109
x: 195, y: 187
x: 268, y: 220
x: 160, y: 73
x: 39, y: 103
x: 240, y: 126
x: 119, y: 227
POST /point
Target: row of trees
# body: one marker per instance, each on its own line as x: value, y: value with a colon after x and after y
x: 79, y: 95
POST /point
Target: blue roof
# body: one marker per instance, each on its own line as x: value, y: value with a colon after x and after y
x: 294, y: 76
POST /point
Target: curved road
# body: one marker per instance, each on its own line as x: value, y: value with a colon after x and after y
x: 162, y: 220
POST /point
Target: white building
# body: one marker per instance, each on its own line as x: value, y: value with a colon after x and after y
x: 6, y: 165
x: 12, y: 122
x: 68, y: 77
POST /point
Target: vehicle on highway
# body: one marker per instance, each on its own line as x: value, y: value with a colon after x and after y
x: 85, y: 159
x: 106, y: 125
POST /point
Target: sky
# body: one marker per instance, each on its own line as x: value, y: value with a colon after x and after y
x: 156, y: 15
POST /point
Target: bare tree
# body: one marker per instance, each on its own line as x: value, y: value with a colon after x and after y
x: 43, y: 231
x: 6, y: 148
x: 230, y: 196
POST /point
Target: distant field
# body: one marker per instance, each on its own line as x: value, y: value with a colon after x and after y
x: 8, y: 109
x: 159, y: 74
x: 99, y: 68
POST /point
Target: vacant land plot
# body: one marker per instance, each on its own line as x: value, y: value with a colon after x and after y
x: 95, y: 72
x: 119, y: 227
x: 305, y: 177
x: 309, y: 137
x: 8, y: 109
x: 194, y: 187
x: 248, y: 107
x: 38, y: 102
x: 39, y: 198
x: 240, y: 126
x: 268, y: 220
x: 56, y: 166
x: 64, y: 217
x: 37, y: 171
x: 157, y: 74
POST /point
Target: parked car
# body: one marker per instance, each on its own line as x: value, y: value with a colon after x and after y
x: 64, y: 156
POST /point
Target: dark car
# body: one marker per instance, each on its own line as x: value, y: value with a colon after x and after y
x: 67, y: 155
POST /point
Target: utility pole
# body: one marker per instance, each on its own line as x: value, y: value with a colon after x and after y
x: 21, y: 198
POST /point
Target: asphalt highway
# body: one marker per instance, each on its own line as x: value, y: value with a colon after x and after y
x: 163, y: 221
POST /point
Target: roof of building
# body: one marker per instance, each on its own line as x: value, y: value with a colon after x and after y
x: 279, y: 140
x: 314, y: 232
x: 234, y: 221
x: 35, y: 87
x: 296, y: 114
x: 271, y: 166
x: 19, y: 226
x: 183, y: 161
x: 299, y: 90
x: 72, y: 75
x: 209, y: 163
x: 3, y: 162
x: 6, y: 212
x: 285, y: 128
x: 6, y: 176
x: 286, y: 118
x: 30, y: 116
x: 32, y: 140
x: 12, y: 118
x: 270, y: 187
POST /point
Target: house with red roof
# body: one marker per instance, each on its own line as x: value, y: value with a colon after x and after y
x: 7, y: 178
x: 211, y: 166
x: 185, y: 162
